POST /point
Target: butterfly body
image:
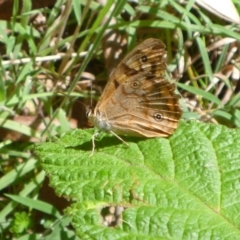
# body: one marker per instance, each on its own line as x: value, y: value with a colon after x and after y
x: 138, y: 100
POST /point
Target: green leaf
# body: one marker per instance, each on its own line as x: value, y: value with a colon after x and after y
x: 206, y: 61
x: 17, y: 173
x: 18, y: 127
x: 20, y: 223
x: 64, y: 122
x: 200, y: 92
x: 28, y: 188
x: 181, y: 187
x: 36, y: 204
x: 77, y: 10
x: 2, y: 84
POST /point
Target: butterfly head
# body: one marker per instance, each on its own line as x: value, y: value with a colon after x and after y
x: 97, y: 119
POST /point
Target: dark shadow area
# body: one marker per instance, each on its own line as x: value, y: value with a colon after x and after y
x: 106, y: 141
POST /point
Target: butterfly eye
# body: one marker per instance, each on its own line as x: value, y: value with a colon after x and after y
x: 158, y: 116
x: 135, y: 84
x: 144, y: 58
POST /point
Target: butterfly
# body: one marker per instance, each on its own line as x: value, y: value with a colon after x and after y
x: 138, y: 100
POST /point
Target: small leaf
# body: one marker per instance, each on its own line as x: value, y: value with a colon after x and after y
x: 20, y: 223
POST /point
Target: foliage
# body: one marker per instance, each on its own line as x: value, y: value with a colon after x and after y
x: 183, y: 187
x: 45, y: 66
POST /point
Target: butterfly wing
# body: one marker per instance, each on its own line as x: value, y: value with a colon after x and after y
x: 148, y: 56
x: 144, y: 106
x: 138, y: 100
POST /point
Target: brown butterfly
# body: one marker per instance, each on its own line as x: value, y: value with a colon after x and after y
x: 138, y: 100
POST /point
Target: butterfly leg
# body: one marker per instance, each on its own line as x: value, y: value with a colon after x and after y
x: 119, y: 138
x: 97, y: 133
x: 93, y: 142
